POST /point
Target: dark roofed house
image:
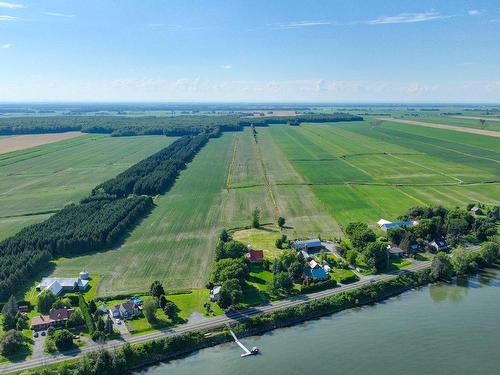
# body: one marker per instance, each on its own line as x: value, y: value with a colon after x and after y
x: 255, y: 256
x: 56, y: 317
x: 125, y: 310
x: 307, y: 245
x: 439, y: 244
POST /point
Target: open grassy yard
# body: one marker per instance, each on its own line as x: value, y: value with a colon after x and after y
x: 41, y: 180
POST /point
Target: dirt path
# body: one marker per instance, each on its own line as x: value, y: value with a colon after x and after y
x: 478, y: 118
x: 21, y: 142
x: 489, y: 133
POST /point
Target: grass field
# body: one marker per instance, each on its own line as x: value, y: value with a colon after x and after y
x: 364, y: 173
x: 228, y: 179
x: 316, y: 176
x: 43, y: 179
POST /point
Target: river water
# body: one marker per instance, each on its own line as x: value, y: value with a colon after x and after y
x: 438, y: 329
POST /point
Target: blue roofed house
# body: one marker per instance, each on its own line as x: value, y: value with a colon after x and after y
x: 315, y: 272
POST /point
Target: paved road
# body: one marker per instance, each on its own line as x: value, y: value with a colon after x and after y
x: 36, y: 361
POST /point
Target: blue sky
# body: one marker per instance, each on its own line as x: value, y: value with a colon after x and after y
x: 329, y: 51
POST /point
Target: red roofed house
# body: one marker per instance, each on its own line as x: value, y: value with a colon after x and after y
x: 255, y: 256
x: 56, y: 317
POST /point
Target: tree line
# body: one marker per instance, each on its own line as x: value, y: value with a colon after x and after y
x: 155, y: 125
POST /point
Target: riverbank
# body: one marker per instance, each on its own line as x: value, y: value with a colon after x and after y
x: 440, y: 328
x: 167, y: 345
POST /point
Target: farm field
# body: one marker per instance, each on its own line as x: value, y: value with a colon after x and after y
x: 175, y: 243
x: 21, y: 142
x: 362, y: 173
x: 319, y: 177
x: 41, y: 180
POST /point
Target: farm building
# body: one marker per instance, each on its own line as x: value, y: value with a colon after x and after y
x: 439, y: 244
x: 255, y: 256
x: 386, y: 225
x: 56, y: 317
x: 307, y: 245
x: 125, y: 310
x: 59, y: 285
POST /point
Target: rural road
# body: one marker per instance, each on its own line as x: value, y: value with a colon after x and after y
x: 490, y: 133
x: 229, y: 318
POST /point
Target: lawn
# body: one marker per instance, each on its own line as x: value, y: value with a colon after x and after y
x: 41, y: 180
x: 343, y: 276
x: 397, y: 263
x: 262, y: 239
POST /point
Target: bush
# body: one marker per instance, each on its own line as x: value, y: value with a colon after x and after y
x: 45, y: 301
x: 11, y: 342
x: 63, y: 339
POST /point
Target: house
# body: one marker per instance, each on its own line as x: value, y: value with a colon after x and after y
x: 307, y: 245
x: 476, y: 210
x: 125, y: 310
x: 214, y: 293
x: 313, y: 264
x: 56, y: 318
x: 59, y: 285
x: 439, y: 244
x: 316, y: 274
x: 394, y: 250
x: 415, y: 247
x: 255, y: 256
x: 102, y: 309
x: 386, y: 225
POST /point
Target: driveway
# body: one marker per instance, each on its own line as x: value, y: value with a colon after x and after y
x: 38, y: 345
x: 122, y: 328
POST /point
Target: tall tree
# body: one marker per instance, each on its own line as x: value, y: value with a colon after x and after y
x: 156, y: 289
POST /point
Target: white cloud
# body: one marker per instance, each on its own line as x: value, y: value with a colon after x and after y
x: 297, y: 24
x: 407, y: 18
x: 227, y: 66
x: 474, y: 12
x: 8, y: 18
x: 54, y: 14
x: 4, y: 4
x: 7, y: 45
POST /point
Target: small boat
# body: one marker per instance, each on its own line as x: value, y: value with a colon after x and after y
x: 254, y: 350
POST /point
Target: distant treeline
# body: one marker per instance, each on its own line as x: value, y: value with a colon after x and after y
x: 154, y: 125
x: 156, y: 173
x: 99, y: 220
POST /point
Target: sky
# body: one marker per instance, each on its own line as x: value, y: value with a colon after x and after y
x: 250, y: 51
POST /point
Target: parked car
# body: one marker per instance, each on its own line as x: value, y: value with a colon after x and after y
x: 118, y: 321
x: 35, y: 334
x: 43, y: 333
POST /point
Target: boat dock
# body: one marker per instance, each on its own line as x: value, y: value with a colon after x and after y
x: 254, y: 350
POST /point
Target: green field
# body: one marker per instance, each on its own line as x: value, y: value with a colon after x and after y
x: 43, y: 179
x: 363, y: 173
x: 220, y: 188
x: 318, y: 176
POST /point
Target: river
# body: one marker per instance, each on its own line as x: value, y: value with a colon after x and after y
x: 437, y: 329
